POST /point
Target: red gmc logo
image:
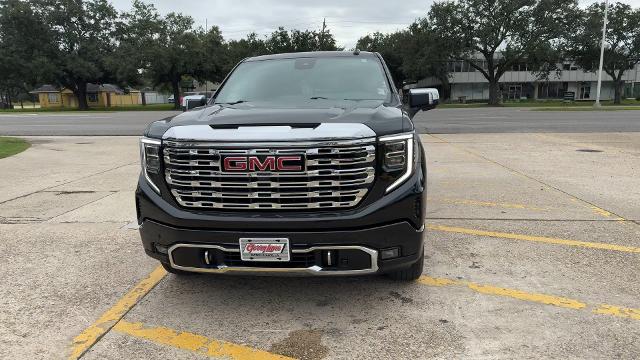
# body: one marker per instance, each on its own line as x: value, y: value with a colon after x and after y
x: 263, y: 163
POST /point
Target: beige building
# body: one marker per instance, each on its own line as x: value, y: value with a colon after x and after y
x: 105, y: 95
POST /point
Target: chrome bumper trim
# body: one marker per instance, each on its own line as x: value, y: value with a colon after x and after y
x: 312, y: 270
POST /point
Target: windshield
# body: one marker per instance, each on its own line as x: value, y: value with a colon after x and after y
x: 306, y: 79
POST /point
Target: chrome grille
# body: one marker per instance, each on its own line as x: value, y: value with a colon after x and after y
x: 337, y: 175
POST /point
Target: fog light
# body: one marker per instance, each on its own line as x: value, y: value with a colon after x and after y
x: 161, y: 249
x: 390, y: 253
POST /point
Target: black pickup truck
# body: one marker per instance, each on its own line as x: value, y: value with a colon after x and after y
x: 300, y: 164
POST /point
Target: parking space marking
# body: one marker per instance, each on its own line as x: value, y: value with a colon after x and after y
x: 606, y: 309
x: 598, y: 210
x: 100, y: 327
x: 602, y: 309
x: 193, y: 342
x: 487, y: 204
x: 542, y: 239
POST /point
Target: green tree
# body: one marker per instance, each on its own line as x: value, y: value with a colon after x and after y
x: 391, y: 47
x: 622, y: 42
x: 279, y: 42
x: 83, y: 34
x: 493, y: 35
x: 170, y: 48
x: 243, y: 48
x: 136, y: 32
x: 25, y: 47
x: 283, y: 41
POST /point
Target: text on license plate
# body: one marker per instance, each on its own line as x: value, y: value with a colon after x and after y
x: 267, y: 249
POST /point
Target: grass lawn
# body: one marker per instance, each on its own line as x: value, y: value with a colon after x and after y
x: 11, y: 146
x: 588, y: 108
x: 150, y: 107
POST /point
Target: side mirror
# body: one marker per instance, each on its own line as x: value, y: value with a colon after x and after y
x: 423, y: 99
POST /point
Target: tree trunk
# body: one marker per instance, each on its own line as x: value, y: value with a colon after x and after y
x: 617, y: 99
x: 175, y: 84
x: 446, y: 87
x: 494, y: 92
x: 144, y: 101
x: 81, y: 94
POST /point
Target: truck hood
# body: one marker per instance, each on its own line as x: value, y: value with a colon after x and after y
x: 380, y: 119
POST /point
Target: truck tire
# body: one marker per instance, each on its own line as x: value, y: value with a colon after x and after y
x: 411, y: 273
x: 175, y: 271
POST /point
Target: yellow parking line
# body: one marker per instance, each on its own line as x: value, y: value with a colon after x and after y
x: 516, y: 294
x: 602, y: 309
x: 606, y: 309
x: 193, y: 342
x: 487, y: 204
x: 93, y: 333
x: 542, y: 239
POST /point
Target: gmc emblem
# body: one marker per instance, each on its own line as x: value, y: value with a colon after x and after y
x: 281, y: 163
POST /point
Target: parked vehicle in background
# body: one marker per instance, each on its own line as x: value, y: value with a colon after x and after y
x: 303, y: 164
x: 192, y: 101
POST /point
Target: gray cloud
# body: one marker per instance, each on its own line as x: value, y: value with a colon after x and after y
x: 347, y: 19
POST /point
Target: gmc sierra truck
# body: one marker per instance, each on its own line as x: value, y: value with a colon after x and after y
x: 301, y: 164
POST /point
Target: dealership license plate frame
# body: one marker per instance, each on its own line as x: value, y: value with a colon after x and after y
x: 283, y: 256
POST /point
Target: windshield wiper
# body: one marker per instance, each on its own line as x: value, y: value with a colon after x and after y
x: 232, y: 102
x: 318, y: 97
x: 363, y: 99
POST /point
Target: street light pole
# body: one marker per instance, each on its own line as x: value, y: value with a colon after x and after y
x: 604, y: 36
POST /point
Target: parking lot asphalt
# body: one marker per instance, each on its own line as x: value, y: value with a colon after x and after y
x: 532, y: 251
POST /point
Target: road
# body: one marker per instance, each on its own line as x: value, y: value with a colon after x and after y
x: 439, y: 121
x: 76, y: 123
x: 523, y: 120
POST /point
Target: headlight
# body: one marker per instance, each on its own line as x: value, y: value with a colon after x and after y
x: 150, y: 159
x: 398, y: 152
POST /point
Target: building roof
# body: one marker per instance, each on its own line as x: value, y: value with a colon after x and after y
x: 94, y: 88
x: 45, y: 89
x: 91, y: 88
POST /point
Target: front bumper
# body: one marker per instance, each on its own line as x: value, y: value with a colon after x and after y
x: 354, y: 252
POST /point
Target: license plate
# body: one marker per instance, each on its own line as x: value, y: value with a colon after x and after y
x: 264, y: 249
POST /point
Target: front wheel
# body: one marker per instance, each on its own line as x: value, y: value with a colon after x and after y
x: 411, y: 273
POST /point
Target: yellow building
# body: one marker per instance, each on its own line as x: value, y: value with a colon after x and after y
x: 105, y: 95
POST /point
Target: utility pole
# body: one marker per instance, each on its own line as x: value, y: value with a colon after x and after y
x: 321, y: 40
x: 604, y: 37
x: 206, y: 83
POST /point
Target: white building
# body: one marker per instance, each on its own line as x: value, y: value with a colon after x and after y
x: 469, y: 84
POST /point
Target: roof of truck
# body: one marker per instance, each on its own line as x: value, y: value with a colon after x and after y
x: 312, y: 54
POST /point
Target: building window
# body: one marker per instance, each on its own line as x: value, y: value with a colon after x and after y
x: 585, y: 91
x: 566, y: 66
x: 458, y: 66
x: 52, y: 97
x: 628, y: 90
x: 92, y: 97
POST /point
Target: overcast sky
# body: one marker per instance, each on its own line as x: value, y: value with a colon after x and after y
x: 347, y: 19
